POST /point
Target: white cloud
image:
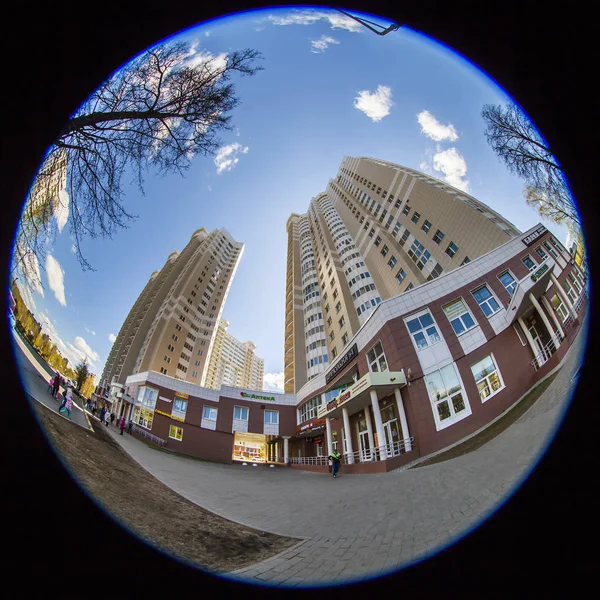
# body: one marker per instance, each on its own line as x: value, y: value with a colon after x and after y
x: 207, y: 33
x: 227, y: 156
x: 319, y: 46
x: 73, y: 249
x: 90, y: 330
x: 56, y: 277
x: 112, y: 337
x: 309, y: 17
x: 433, y: 129
x: 197, y: 59
x: 84, y: 348
x: 375, y: 105
x: 273, y: 382
x: 453, y: 166
x: 61, y: 209
x: 426, y: 168
x: 27, y: 296
x: 209, y: 189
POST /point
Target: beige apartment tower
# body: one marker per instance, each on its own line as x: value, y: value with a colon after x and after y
x: 233, y: 362
x: 171, y: 327
x: 377, y: 231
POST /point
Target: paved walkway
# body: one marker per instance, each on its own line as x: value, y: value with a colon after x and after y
x: 361, y: 525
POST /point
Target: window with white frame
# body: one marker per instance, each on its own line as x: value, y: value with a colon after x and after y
x: 176, y: 432
x: 147, y: 397
x: 459, y: 316
x: 570, y: 293
x: 520, y: 333
x: 508, y: 281
x: 487, y: 377
x: 448, y: 399
x: 240, y: 413
x: 559, y: 307
x: 529, y: 262
x: 541, y: 253
x: 272, y: 417
x: 376, y: 358
x: 575, y: 282
x: 489, y: 305
x: 209, y: 413
x: 423, y: 330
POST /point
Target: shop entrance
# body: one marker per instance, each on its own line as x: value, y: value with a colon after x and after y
x: 363, y: 441
x: 391, y: 430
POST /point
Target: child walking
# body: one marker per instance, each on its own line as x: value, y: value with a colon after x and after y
x: 68, y: 403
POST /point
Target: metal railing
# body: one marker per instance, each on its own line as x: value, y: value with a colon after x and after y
x: 381, y: 452
x: 309, y: 460
x: 547, y: 351
x: 153, y: 438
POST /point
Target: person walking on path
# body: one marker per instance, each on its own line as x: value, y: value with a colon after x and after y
x: 102, y: 413
x: 129, y: 426
x: 51, y: 385
x: 56, y: 385
x: 122, y: 425
x: 67, y: 404
x: 112, y: 417
x: 335, y: 458
x: 107, y: 417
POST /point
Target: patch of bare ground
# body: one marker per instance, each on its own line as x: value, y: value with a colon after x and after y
x: 149, y: 508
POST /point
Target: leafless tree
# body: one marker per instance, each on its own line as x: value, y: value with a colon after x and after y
x: 157, y: 113
x: 519, y: 145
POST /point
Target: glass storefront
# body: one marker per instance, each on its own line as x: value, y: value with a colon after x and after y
x: 249, y: 447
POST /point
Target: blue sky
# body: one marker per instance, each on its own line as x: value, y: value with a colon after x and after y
x: 329, y: 88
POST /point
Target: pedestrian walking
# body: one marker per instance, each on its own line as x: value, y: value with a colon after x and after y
x: 51, y: 385
x: 122, y: 425
x: 56, y: 385
x: 335, y: 458
x: 107, y: 417
x: 129, y: 426
x: 68, y: 403
x: 112, y: 417
x: 102, y: 413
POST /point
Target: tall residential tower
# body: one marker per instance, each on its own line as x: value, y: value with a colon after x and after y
x: 171, y: 327
x: 377, y: 231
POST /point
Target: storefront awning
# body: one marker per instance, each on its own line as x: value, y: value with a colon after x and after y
x: 355, y: 397
x: 535, y: 283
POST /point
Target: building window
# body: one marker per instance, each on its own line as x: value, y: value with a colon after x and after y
x: 396, y: 228
x: 338, y: 307
x: 400, y: 275
x: 487, y: 377
x: 423, y: 331
x: 378, y: 240
x: 163, y: 370
x: 272, y: 417
x: 178, y: 327
x: 438, y: 237
x: 334, y: 352
x: 409, y: 287
x: 520, y: 333
x: 426, y: 226
x: 342, y: 322
x: 175, y: 337
x: 452, y: 249
x: 529, y: 263
x: 384, y: 250
x: 419, y: 255
x: 376, y: 359
x: 447, y: 396
x: 392, y: 262
x: 167, y: 359
x: 416, y: 216
x: 541, y: 253
x: 345, y: 338
x: 465, y: 261
x: 332, y: 335
x: 570, y: 293
x: 406, y: 210
x: 176, y: 432
x: 559, y: 307
x: 180, y: 405
x: 170, y: 348
x: 240, y: 413
x: 195, y: 374
x: 147, y: 397
x: 508, y: 281
x: 489, y: 305
x: 460, y: 318
x: 210, y: 413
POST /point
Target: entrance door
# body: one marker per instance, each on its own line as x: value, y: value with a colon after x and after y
x: 392, y: 435
x: 365, y: 450
x: 538, y: 342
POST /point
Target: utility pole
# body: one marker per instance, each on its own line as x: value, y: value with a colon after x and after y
x: 367, y: 24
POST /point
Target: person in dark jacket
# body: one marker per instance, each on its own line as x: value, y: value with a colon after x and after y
x: 335, y: 457
x: 56, y: 386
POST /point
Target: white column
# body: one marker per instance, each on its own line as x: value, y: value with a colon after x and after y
x: 329, y: 440
x: 348, y: 434
x: 370, y: 432
x: 286, y: 449
x: 553, y: 315
x: 378, y: 424
x: 543, y: 316
x: 403, y: 422
x: 532, y: 344
x: 563, y: 295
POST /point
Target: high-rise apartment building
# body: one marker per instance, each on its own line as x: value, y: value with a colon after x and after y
x: 171, y: 327
x: 377, y: 231
x: 233, y: 362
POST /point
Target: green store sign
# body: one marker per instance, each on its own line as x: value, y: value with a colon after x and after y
x: 257, y: 397
x: 539, y: 272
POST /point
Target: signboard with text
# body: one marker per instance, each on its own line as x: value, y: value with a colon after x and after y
x: 352, y: 353
x: 534, y: 235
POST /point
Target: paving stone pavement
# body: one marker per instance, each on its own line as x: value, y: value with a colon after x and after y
x: 364, y: 525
